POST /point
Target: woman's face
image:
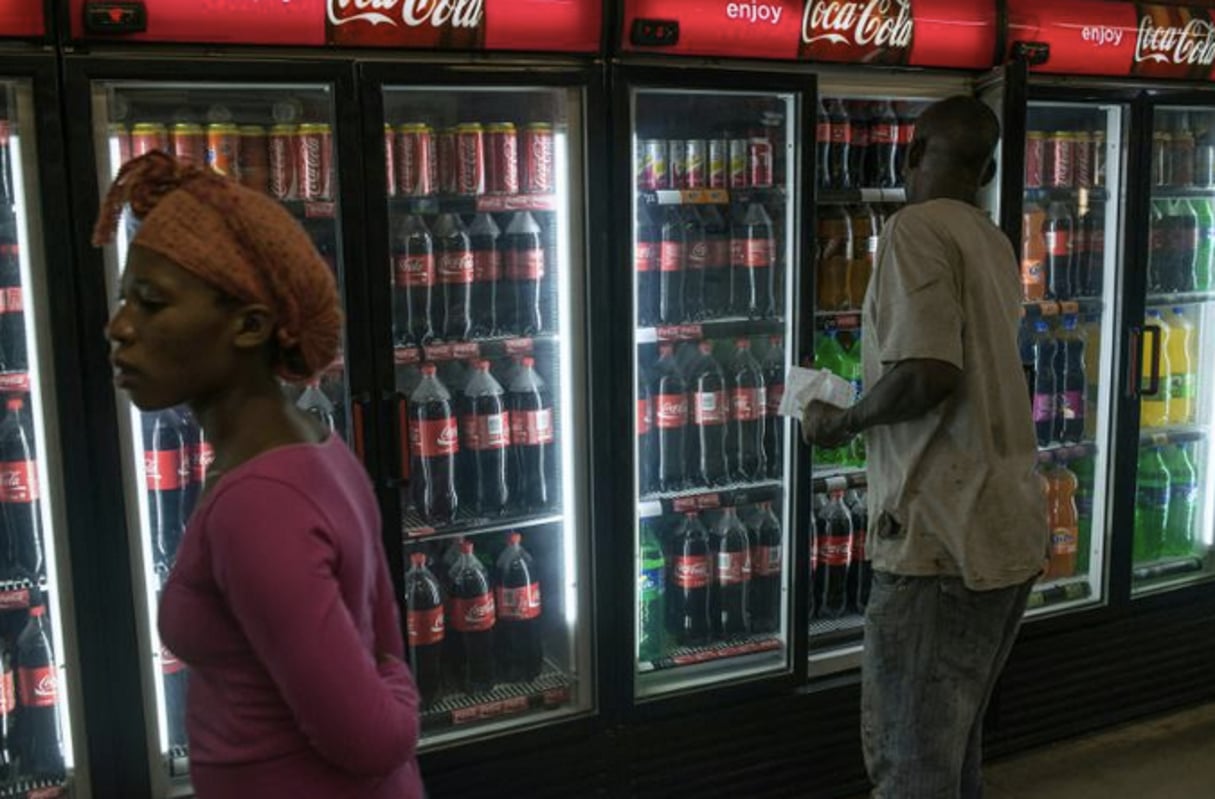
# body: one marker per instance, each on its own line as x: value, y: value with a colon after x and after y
x: 170, y: 335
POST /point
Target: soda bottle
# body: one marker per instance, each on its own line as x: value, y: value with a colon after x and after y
x: 834, y: 555
x: 883, y: 160
x: 850, y: 369
x: 1085, y: 469
x: 1160, y: 266
x: 816, y: 529
x: 470, y: 624
x: 651, y: 586
x: 672, y: 256
x: 731, y: 547
x: 774, y: 383
x: 525, y: 270
x: 841, y: 141
x: 752, y: 251
x: 533, y: 455
x: 645, y: 265
x: 858, y: 144
x: 1072, y: 383
x: 688, y: 586
x: 485, y: 433
x: 1058, y: 230
x: 1204, y: 258
x: 316, y: 404
x: 8, y: 718
x: 835, y: 249
x: 748, y: 406
x: 167, y: 466
x: 669, y: 390
x: 408, y: 377
x: 646, y: 449
x: 1064, y: 522
x: 434, y: 442
x: 1182, y: 512
x: 764, y: 596
x: 424, y: 624
x: 1091, y: 333
x: 1045, y: 384
x: 195, y: 449
x: 1154, y: 408
x: 710, y: 414
x: 39, y: 743
x: 483, y: 236
x: 1183, y: 359
x: 454, y: 271
x: 864, y: 249
x: 1094, y: 271
x: 414, y: 279
x: 1034, y: 275
x: 860, y: 570
x: 1152, y: 492
x: 905, y: 113
x: 697, y: 258
x: 518, y: 599
x: 822, y: 141
x: 1184, y: 245
x: 716, y: 298
x: 828, y: 355
x: 12, y: 309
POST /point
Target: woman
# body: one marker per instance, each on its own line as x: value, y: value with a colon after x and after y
x: 280, y: 601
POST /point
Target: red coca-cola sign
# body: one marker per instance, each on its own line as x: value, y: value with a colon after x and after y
x: 566, y: 26
x: 924, y: 33
x: 1098, y: 37
x: 21, y: 19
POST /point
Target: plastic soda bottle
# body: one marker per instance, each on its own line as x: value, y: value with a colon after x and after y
x: 1064, y: 522
x: 1183, y: 501
x: 1182, y: 362
x: 651, y: 585
x: 1151, y: 504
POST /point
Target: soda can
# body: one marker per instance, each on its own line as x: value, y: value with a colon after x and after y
x: 759, y: 162
x: 148, y: 136
x: 653, y: 171
x: 1099, y: 158
x: 536, y: 162
x: 254, y: 160
x: 223, y: 148
x: 1082, y: 160
x: 470, y: 159
x: 120, y: 144
x: 282, y: 162
x: 502, y: 162
x: 1035, y: 158
x: 446, y: 152
x: 413, y: 160
x: 1060, y: 160
x: 1204, y: 165
x: 390, y: 160
x: 188, y: 143
x: 677, y: 152
x: 313, y: 161
x: 698, y: 176
x: 738, y: 164
x: 719, y: 160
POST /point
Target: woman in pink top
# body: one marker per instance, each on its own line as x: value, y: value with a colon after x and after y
x: 280, y: 601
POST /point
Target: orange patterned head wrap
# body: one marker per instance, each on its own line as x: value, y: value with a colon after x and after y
x: 238, y: 240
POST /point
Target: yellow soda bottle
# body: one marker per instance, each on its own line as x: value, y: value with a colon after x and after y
x: 1154, y: 409
x: 1182, y: 361
x: 1091, y: 333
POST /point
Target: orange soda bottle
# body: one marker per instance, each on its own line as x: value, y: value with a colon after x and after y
x: 1033, y: 254
x: 1064, y: 522
x: 835, y: 245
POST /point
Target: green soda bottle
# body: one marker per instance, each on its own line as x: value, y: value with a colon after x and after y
x: 1085, y: 471
x: 1204, y: 263
x: 651, y: 582
x: 1151, y: 505
x: 1183, y: 502
x: 829, y: 355
x: 854, y: 373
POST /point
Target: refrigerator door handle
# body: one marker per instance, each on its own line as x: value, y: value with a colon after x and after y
x: 1137, y: 341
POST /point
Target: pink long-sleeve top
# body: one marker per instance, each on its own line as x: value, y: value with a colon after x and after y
x: 279, y: 603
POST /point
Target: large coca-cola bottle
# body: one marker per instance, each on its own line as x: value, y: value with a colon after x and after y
x: 834, y: 555
x: 518, y: 636
x: 414, y: 278
x: 485, y: 441
x: 883, y: 161
x: 645, y: 264
x: 533, y: 453
x: 687, y: 592
x: 167, y: 464
x: 174, y: 678
x: 525, y: 269
x: 425, y: 627
x: 841, y: 145
x: 8, y: 717
x: 860, y: 571
x: 647, y: 452
x: 434, y: 443
x: 710, y: 412
x: 454, y: 272
x: 748, y: 410
x: 470, y: 625
x: 697, y: 259
x: 766, y: 550
x: 822, y: 142
x: 40, y: 744
x: 716, y: 296
x: 906, y: 113
x: 859, y: 112
x: 731, y: 552
x: 774, y: 387
x: 12, y: 298
x: 487, y: 273
x: 752, y: 253
x: 19, y: 496
x: 672, y: 249
x: 1058, y: 232
x: 669, y: 391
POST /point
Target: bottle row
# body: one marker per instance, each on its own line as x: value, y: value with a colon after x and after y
x: 1065, y: 159
x: 1175, y: 401
x: 1167, y: 502
x: 841, y: 576
x: 863, y: 143
x: 1181, y: 254
x: 839, y: 352
x: 22, y: 553
x: 469, y: 159
x: 694, y: 265
x: 455, y: 281
x: 31, y: 743
x: 1062, y: 250
x: 176, y: 458
x: 1058, y: 366
x: 14, y: 356
x: 706, y: 415
x: 1183, y: 152
x: 734, y: 163
x: 847, y: 245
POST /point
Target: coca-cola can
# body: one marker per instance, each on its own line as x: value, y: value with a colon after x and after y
x: 759, y: 163
x: 1060, y: 160
x: 254, y: 160
x: 1082, y: 160
x: 470, y: 159
x: 503, y: 159
x: 698, y: 174
x: 120, y: 143
x: 313, y: 167
x: 738, y: 164
x: 446, y: 156
x: 537, y: 159
x: 719, y: 162
x: 188, y: 143
x: 282, y: 162
x: 223, y: 148
x: 390, y: 160
x: 413, y: 160
x: 654, y: 165
x: 1035, y: 158
x: 677, y: 151
x: 148, y: 136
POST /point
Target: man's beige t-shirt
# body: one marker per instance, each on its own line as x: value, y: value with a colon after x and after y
x: 953, y: 492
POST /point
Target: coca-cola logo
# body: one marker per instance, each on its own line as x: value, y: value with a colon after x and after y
x: 871, y: 23
x: 46, y: 686
x: 692, y: 570
x: 670, y: 409
x: 448, y: 437
x: 1194, y: 44
x: 412, y: 13
x: 479, y: 611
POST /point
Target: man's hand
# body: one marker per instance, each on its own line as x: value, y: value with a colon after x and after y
x: 825, y: 425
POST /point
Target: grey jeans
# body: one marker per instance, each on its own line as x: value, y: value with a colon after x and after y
x: 933, y: 652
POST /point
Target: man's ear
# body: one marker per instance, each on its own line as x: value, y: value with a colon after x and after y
x: 254, y: 326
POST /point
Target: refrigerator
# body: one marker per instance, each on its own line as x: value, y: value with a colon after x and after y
x: 450, y: 191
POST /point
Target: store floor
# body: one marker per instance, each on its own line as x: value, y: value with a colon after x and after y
x: 1166, y: 757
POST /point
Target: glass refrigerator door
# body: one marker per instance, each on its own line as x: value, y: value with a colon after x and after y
x: 277, y: 139
x: 487, y: 265
x: 36, y: 729
x: 1069, y: 273
x: 713, y: 243
x: 1175, y: 498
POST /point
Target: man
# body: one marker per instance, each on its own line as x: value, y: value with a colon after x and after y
x: 959, y: 532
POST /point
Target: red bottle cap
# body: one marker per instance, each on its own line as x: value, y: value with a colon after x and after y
x: 428, y: 369
x: 466, y: 547
x: 528, y: 362
x: 482, y: 365
x: 743, y: 343
x: 514, y: 539
x: 706, y: 347
x: 14, y: 404
x: 418, y: 559
x: 37, y: 611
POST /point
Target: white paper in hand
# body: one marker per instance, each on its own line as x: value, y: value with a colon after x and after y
x: 803, y: 385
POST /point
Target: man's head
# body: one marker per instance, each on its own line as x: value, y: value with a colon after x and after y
x: 951, y: 153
